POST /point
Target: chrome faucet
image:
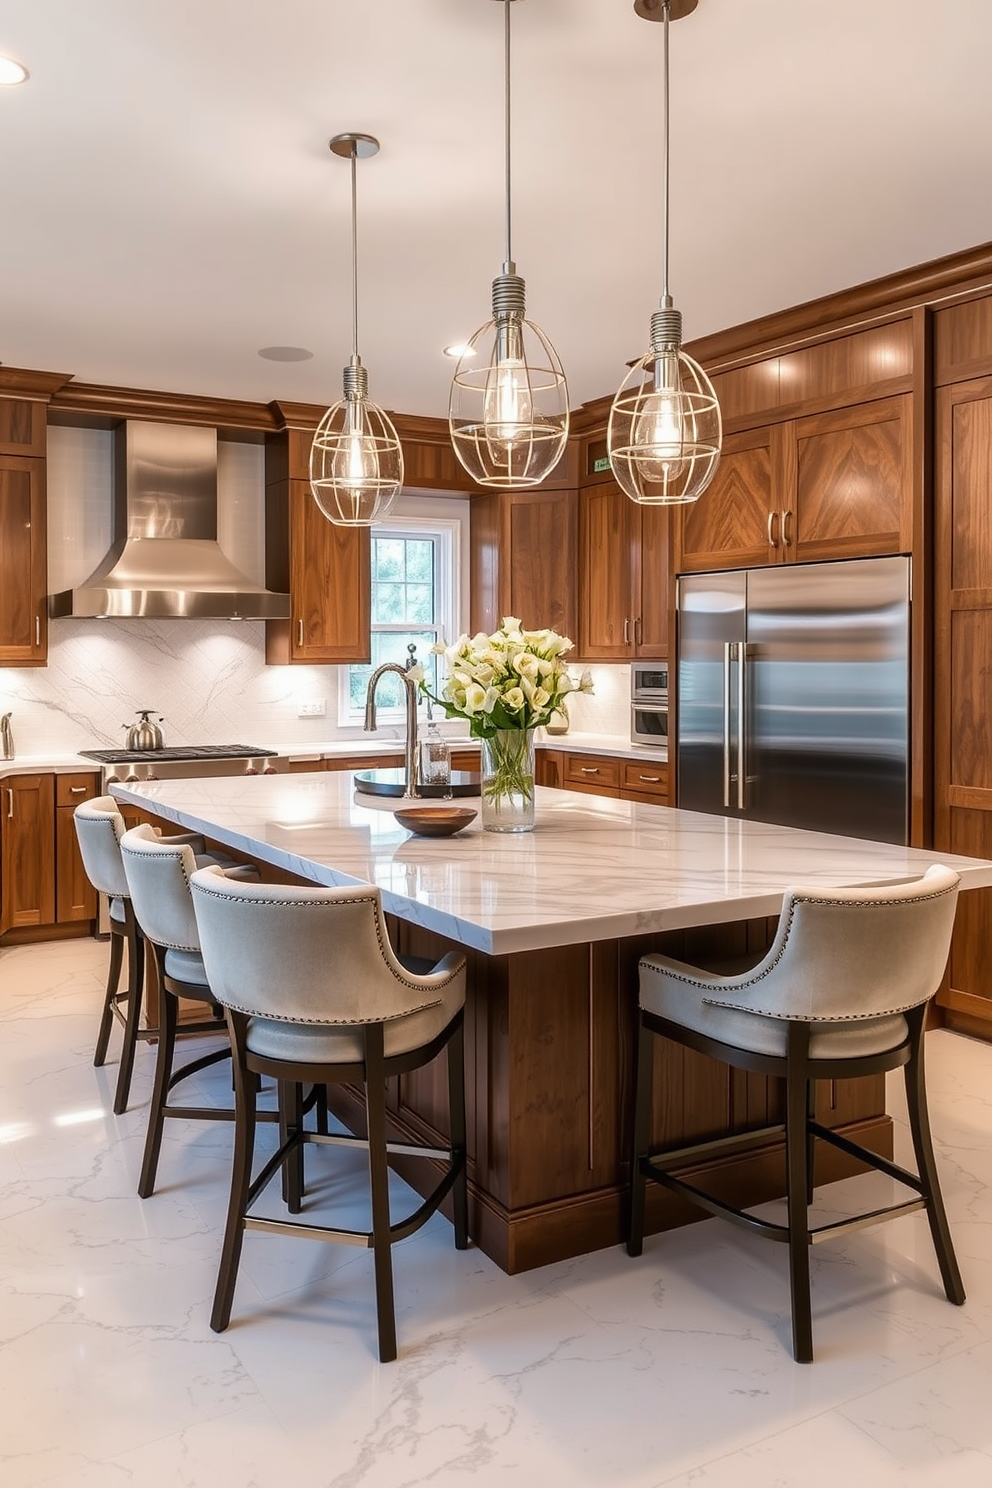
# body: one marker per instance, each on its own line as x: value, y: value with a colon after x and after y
x: 6, y: 738
x: 410, y: 787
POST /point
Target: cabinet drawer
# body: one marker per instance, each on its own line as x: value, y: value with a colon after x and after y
x: 466, y: 759
x: 71, y: 789
x: 594, y: 770
x: 646, y: 779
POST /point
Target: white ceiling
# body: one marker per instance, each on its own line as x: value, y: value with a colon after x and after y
x: 168, y: 204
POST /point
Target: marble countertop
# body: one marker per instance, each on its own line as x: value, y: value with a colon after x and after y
x: 593, y: 868
x: 50, y: 764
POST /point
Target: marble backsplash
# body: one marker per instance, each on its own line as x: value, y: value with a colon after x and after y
x: 209, y: 680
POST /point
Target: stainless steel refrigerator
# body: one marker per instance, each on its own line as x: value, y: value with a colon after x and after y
x: 793, y: 696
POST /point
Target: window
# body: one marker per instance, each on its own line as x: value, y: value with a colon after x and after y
x: 416, y: 563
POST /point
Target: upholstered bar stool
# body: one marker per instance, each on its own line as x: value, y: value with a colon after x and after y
x: 841, y: 993
x: 314, y: 992
x: 158, y: 874
x: 99, y: 829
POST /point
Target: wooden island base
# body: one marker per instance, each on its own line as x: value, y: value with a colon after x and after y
x: 549, y: 1073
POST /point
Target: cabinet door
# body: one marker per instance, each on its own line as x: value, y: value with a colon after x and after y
x: 853, y: 483
x: 23, y: 426
x: 735, y: 523
x: 548, y: 768
x: 329, y: 579
x: 606, y: 518
x: 523, y: 560
x: 650, y: 580
x: 27, y: 851
x: 962, y: 666
x: 75, y: 896
x: 23, y: 564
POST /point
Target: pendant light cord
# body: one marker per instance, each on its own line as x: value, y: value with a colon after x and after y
x: 354, y: 251
x: 666, y: 297
x: 506, y: 123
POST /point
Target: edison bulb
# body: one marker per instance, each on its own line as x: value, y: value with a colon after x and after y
x: 509, y: 406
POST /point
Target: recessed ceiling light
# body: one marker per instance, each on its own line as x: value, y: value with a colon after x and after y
x: 12, y: 73
x: 285, y: 354
x: 458, y: 351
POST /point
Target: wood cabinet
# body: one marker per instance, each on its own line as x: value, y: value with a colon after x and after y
x: 837, y: 484
x: 623, y: 570
x: 962, y: 669
x: 603, y: 775
x: 325, y: 568
x: 523, y: 548
x: 23, y: 559
x: 42, y: 880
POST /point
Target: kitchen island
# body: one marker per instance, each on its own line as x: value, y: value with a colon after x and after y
x: 553, y: 923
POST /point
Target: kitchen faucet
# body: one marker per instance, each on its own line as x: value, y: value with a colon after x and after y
x: 6, y: 738
x: 410, y: 788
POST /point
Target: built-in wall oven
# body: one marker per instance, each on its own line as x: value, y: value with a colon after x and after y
x: 649, y: 703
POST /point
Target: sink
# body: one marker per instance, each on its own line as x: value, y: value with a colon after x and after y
x: 392, y: 783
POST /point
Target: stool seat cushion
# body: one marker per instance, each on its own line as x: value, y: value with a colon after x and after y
x: 186, y: 966
x: 680, y: 993
x: 342, y: 1043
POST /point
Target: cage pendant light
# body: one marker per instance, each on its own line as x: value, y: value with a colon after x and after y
x: 356, y: 460
x: 508, y: 408
x: 665, y: 431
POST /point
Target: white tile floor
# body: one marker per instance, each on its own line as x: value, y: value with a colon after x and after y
x: 673, y: 1369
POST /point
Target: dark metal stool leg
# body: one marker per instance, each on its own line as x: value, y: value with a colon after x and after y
x: 643, y: 1082
x: 796, y: 1102
x: 244, y: 1147
x: 135, y: 988
x: 168, y: 1011
x: 919, y: 1125
x: 810, y: 1141
x: 113, y: 982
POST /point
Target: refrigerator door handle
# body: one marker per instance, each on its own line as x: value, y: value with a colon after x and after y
x: 729, y: 648
x: 741, y: 726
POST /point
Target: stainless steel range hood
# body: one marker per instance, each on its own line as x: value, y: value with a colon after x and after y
x: 165, y: 561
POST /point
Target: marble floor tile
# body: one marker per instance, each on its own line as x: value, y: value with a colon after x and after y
x: 673, y: 1369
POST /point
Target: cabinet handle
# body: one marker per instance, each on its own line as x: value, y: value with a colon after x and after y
x: 299, y: 632
x: 786, y: 540
x: 650, y: 779
x: 637, y: 631
x: 588, y: 769
x: 10, y: 805
x: 626, y: 631
x: 37, y: 630
x: 772, y: 539
x: 77, y: 790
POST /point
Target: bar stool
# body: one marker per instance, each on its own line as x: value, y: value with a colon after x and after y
x: 841, y: 993
x: 158, y: 874
x: 99, y: 829
x: 314, y: 992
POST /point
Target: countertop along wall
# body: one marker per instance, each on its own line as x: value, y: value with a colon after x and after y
x: 207, y: 678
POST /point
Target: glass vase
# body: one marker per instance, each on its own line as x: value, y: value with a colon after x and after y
x: 508, y: 781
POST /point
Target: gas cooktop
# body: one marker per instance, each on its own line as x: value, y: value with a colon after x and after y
x: 180, y: 753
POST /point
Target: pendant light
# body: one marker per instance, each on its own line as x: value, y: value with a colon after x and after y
x: 356, y: 461
x: 508, y: 414
x: 665, y: 430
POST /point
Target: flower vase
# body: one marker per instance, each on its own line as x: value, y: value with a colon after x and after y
x: 508, y: 781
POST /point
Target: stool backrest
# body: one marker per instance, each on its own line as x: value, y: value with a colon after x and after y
x: 158, y: 875
x: 99, y: 829
x: 303, y: 955
x: 842, y: 954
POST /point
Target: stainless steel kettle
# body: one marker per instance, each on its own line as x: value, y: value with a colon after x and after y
x: 144, y: 734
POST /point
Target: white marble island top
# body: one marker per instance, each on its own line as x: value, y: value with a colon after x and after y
x: 593, y: 868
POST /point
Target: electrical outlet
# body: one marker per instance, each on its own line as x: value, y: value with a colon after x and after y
x: 312, y: 708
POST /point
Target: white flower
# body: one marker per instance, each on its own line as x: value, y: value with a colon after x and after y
x: 416, y: 673
x: 514, y: 700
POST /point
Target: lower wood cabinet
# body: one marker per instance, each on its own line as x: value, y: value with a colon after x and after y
x: 42, y: 880
x: 603, y: 775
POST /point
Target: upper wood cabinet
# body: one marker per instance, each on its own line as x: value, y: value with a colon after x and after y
x: 23, y: 427
x: 523, y: 546
x: 23, y: 561
x: 623, y: 576
x: 327, y: 569
x: 837, y: 484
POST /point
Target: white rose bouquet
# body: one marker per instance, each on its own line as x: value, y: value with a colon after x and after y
x: 506, y: 685
x: 513, y: 679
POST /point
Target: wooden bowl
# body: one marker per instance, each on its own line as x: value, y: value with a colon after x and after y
x: 435, y: 821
